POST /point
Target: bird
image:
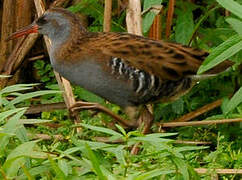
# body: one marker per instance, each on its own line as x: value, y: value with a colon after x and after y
x: 125, y: 69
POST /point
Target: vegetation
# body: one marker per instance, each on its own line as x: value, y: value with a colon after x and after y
x: 91, y: 153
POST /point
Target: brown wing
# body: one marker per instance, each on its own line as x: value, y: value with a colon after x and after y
x: 168, y: 61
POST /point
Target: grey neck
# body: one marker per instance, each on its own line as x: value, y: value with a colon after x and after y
x: 60, y: 35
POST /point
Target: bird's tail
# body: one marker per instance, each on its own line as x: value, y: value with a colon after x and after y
x: 214, y: 72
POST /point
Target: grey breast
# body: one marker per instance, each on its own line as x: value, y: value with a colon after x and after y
x: 91, y: 76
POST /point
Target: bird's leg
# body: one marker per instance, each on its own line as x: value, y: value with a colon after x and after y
x: 145, y: 122
x: 81, y: 105
x: 141, y: 117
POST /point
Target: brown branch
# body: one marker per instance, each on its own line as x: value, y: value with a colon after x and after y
x: 169, y: 19
x: 64, y: 84
x: 107, y: 16
x: 45, y: 108
x: 198, y: 112
x: 199, y: 123
x: 107, y: 140
x: 46, y: 137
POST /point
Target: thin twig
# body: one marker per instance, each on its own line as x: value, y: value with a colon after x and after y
x: 199, y: 123
x: 36, y: 58
x: 192, y: 142
x: 198, y: 112
x: 219, y: 171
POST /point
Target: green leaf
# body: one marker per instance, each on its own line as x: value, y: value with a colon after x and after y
x: 232, y: 6
x: 8, y: 113
x: 182, y: 167
x: 149, y: 3
x: 101, y: 129
x: 153, y: 173
x: 121, y: 129
x: 17, y: 156
x: 92, y: 145
x: 59, y: 173
x: 35, y: 171
x: 21, y: 134
x: 221, y: 53
x: 236, y: 25
x: 12, y: 123
x: 234, y: 101
x: 119, y: 153
x: 151, y: 139
x: 149, y: 17
x: 95, y: 163
x: 184, y: 26
x: 10, y: 128
x: 147, y: 21
x: 31, y: 95
x: 63, y: 166
x: 88, y: 96
x: 178, y: 106
x: 17, y: 87
x: 190, y: 148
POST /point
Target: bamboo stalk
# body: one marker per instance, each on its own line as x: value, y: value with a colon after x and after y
x: 169, y: 19
x: 107, y: 16
x: 155, y: 30
x: 133, y: 17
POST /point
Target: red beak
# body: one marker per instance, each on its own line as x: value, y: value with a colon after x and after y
x: 32, y: 28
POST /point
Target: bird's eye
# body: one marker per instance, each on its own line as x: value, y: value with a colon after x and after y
x: 41, y: 21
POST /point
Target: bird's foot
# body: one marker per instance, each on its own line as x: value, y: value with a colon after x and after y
x: 81, y: 105
x: 145, y: 122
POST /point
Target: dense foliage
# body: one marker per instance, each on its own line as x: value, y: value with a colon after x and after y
x: 201, y: 24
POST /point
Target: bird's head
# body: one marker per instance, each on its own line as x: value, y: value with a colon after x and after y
x: 56, y: 23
